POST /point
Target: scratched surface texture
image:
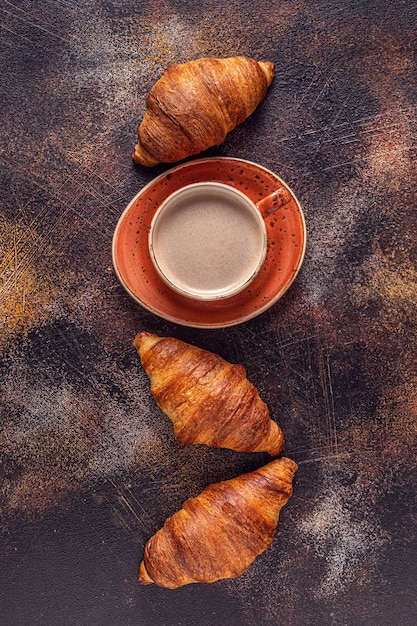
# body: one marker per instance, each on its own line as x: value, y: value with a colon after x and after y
x: 89, y: 466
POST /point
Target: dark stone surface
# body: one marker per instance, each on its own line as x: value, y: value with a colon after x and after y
x: 89, y: 467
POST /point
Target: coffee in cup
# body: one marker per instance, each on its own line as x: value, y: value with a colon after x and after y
x: 208, y: 241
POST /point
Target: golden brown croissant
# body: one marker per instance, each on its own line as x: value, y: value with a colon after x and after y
x: 208, y: 400
x: 220, y: 532
x: 195, y: 104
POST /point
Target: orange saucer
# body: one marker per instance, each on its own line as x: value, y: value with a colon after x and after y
x: 286, y: 245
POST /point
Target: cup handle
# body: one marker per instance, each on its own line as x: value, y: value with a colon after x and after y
x: 274, y: 201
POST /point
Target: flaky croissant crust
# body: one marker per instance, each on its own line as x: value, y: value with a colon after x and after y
x: 208, y: 400
x: 195, y: 104
x: 221, y: 531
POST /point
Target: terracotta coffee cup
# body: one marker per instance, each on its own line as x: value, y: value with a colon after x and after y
x: 208, y: 240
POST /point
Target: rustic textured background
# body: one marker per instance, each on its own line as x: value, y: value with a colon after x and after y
x: 89, y: 467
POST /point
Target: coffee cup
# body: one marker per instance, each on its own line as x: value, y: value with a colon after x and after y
x: 208, y: 240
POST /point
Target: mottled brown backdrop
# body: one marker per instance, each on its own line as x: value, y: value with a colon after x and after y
x: 89, y: 467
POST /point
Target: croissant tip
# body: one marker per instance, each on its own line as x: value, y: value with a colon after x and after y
x: 290, y: 463
x: 144, y: 341
x: 284, y: 467
x: 273, y: 443
x: 144, y: 577
x: 268, y: 69
x: 142, y: 157
x: 137, y: 341
x: 140, y: 336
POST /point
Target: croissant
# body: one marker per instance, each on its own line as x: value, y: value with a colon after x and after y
x: 194, y: 105
x: 208, y: 400
x: 220, y: 532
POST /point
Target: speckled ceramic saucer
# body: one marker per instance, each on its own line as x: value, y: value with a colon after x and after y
x: 286, y: 245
